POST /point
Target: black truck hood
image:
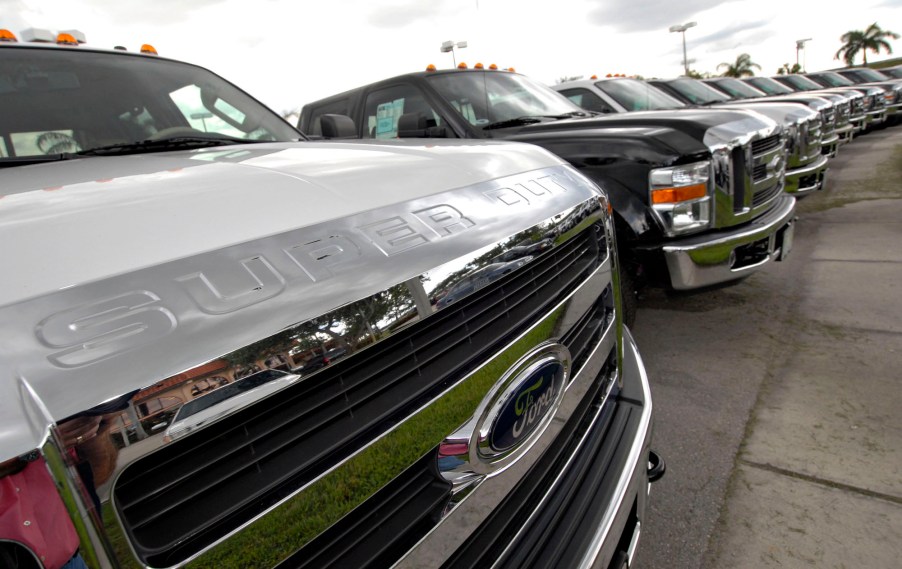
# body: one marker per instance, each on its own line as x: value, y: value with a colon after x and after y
x: 683, y: 130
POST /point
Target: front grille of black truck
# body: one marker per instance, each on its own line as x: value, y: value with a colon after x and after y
x: 190, y: 493
x: 755, y: 184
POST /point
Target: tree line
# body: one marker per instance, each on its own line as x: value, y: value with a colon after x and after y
x: 855, y: 42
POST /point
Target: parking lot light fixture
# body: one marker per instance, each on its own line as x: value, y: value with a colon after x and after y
x: 682, y: 29
x: 449, y: 46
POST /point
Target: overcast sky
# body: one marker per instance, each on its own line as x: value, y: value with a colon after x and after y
x: 288, y: 52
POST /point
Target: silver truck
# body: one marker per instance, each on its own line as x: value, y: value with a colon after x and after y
x: 167, y: 237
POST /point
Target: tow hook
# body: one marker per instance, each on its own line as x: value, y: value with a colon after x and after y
x: 656, y: 466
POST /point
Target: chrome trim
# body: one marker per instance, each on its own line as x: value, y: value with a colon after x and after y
x: 793, y: 177
x: 707, y: 259
x: 635, y: 475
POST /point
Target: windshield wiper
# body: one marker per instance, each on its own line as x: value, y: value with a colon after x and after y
x: 174, y: 143
x: 11, y: 161
x: 532, y: 119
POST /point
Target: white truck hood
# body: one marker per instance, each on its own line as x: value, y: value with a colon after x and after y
x: 70, y: 222
x: 99, y: 250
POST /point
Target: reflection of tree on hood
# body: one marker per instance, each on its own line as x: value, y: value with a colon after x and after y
x: 56, y: 143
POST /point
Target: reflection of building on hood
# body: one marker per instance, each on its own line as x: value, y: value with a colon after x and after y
x: 56, y: 143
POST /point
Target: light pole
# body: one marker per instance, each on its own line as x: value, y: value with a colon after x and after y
x: 800, y: 45
x: 450, y: 45
x: 682, y: 29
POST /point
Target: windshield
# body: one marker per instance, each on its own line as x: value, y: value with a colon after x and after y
x: 769, y: 86
x: 697, y: 92
x: 227, y: 392
x: 802, y: 83
x: 869, y: 74
x: 738, y: 89
x: 835, y: 79
x: 60, y: 101
x: 488, y: 97
x: 892, y: 72
x: 638, y: 95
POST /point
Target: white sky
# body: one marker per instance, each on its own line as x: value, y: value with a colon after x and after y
x: 287, y: 53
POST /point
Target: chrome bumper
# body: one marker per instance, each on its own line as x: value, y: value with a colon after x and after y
x: 723, y: 256
x: 830, y: 145
x: 808, y: 178
x: 875, y: 118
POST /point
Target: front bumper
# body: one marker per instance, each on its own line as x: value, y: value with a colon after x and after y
x: 722, y: 256
x: 874, y: 118
x: 808, y: 178
x: 830, y: 145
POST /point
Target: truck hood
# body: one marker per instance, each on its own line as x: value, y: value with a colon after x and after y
x: 86, y: 219
x: 784, y: 113
x: 119, y: 272
x: 712, y: 127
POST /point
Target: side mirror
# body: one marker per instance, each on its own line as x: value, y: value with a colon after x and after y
x: 337, y: 126
x: 416, y: 125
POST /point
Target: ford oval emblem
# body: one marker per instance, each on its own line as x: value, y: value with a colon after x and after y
x: 530, y: 402
x: 522, y: 405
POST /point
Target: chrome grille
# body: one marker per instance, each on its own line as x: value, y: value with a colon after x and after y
x: 765, y: 196
x: 171, y: 503
x: 828, y: 120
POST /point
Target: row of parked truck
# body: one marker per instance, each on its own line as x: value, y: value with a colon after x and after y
x: 489, y: 407
x: 699, y: 172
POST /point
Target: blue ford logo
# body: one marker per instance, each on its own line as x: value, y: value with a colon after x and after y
x: 511, y: 418
x: 527, y: 405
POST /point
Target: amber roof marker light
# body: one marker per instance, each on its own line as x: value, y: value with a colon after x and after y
x: 8, y: 36
x: 149, y: 49
x: 66, y: 39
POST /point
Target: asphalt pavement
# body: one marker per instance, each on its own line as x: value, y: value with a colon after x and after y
x: 778, y: 401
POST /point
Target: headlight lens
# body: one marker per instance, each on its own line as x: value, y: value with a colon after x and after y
x: 681, y: 197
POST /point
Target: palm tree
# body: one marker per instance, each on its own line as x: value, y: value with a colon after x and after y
x: 872, y: 39
x: 789, y: 69
x: 741, y: 68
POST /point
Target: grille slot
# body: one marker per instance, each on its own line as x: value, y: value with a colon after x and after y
x: 765, y: 144
x: 182, y: 498
x: 758, y: 174
x: 763, y: 196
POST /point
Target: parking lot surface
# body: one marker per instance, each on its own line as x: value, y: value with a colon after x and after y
x: 777, y: 399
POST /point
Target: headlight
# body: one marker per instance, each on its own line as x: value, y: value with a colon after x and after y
x: 680, y: 197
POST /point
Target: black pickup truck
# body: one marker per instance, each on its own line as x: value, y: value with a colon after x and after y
x: 697, y: 194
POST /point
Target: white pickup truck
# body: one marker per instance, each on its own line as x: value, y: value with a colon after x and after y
x: 166, y: 235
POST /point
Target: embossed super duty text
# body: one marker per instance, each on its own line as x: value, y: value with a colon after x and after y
x: 225, y: 282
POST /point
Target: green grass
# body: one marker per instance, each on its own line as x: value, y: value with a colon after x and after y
x: 885, y: 183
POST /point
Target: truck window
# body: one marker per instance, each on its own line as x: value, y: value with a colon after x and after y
x: 384, y: 108
x: 588, y: 100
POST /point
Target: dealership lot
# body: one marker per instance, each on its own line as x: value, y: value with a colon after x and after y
x: 776, y: 400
